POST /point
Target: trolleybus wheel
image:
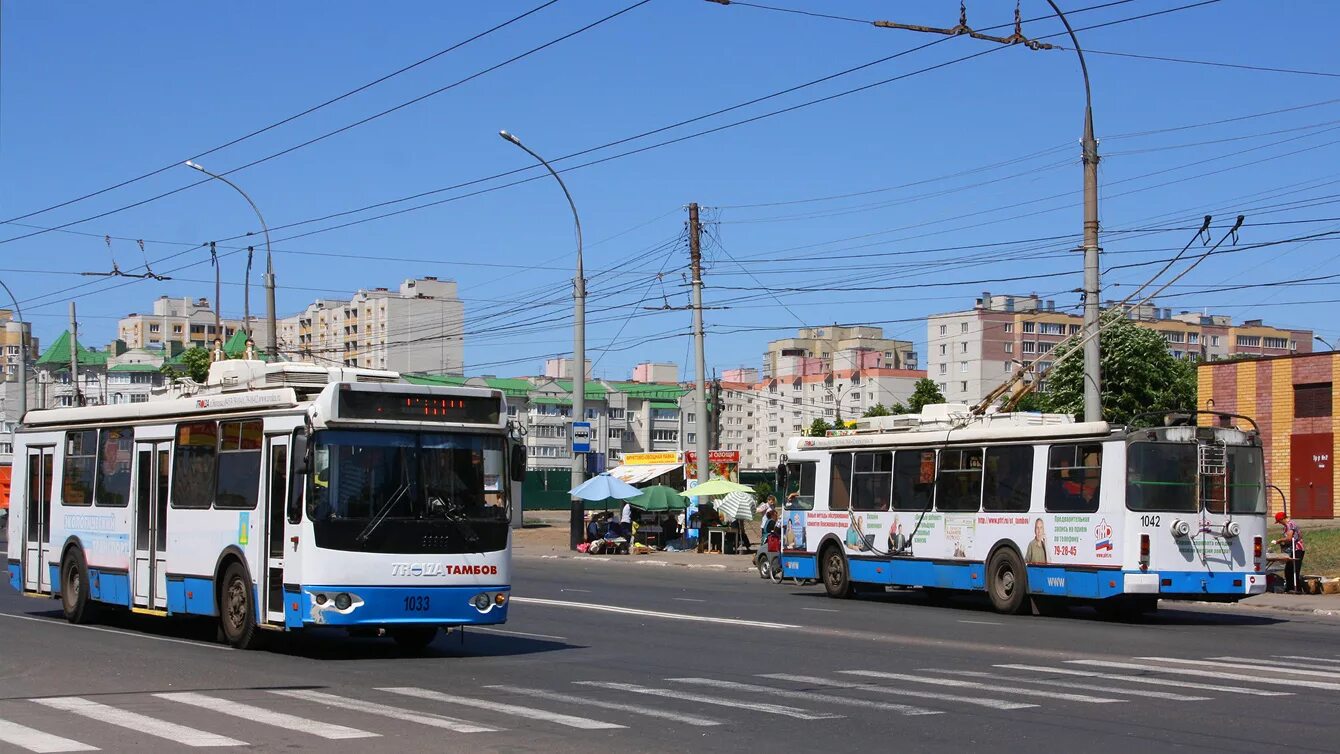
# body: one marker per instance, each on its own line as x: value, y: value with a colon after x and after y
x: 1007, y: 582
x: 237, y: 615
x: 413, y: 638
x: 74, y: 589
x: 836, y: 581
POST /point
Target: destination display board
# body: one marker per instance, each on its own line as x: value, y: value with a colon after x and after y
x: 358, y: 404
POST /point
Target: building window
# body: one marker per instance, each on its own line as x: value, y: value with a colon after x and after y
x: 1009, y: 327
x: 1029, y: 327
x: 1051, y: 328
x: 943, y: 386
x: 691, y: 418
x: 1249, y: 341
x: 963, y: 387
x: 1029, y: 347
x: 1192, y: 338
x: 616, y: 413
x: 963, y: 327
x: 944, y: 329
x: 1009, y: 348
x: 944, y: 348
x: 1074, y: 329
x: 1276, y: 342
x: 963, y: 367
x: 664, y: 435
x: 616, y: 434
x: 690, y: 437
x: 1214, y: 340
x: 963, y: 347
x: 1312, y: 400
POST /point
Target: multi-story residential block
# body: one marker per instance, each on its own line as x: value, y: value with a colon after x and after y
x: 185, y: 321
x: 819, y: 350
x: 13, y: 338
x: 970, y: 353
x: 416, y: 329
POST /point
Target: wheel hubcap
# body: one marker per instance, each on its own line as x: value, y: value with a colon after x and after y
x: 73, y: 587
x: 237, y: 604
x: 834, y: 571
x: 1006, y: 581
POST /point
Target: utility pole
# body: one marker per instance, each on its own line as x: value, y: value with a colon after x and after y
x: 76, y: 398
x: 716, y: 411
x: 246, y: 295
x: 700, y: 369
x: 218, y: 292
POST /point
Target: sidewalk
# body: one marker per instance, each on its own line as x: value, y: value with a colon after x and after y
x: 546, y: 536
x: 1313, y: 604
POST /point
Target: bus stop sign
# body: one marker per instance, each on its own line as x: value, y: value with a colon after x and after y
x: 581, y: 437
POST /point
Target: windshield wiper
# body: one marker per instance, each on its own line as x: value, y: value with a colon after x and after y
x: 456, y: 516
x: 382, y: 513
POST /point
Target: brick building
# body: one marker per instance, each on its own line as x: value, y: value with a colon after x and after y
x: 1293, y: 399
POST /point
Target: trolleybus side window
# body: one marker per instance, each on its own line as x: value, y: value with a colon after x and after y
x: 239, y: 478
x: 872, y: 481
x: 1161, y: 476
x: 1246, y: 480
x: 1073, y: 473
x: 913, y: 479
x: 81, y: 463
x: 958, y: 487
x: 39, y: 495
x: 839, y: 482
x: 1007, y: 483
x: 193, y: 464
x: 114, y: 467
x: 799, y: 480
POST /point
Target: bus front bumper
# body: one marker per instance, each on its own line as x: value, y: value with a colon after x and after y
x: 396, y: 605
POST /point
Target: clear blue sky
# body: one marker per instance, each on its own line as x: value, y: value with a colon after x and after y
x: 96, y: 93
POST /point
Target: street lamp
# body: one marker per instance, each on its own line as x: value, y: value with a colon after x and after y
x: 837, y: 399
x: 272, y: 348
x: 576, y: 523
x: 1318, y: 337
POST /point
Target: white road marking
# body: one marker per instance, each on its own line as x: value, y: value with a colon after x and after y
x: 1221, y: 675
x: 771, y: 709
x: 135, y: 721
x: 583, y: 591
x: 1250, y: 664
x: 252, y: 713
x: 819, y: 609
x: 686, y: 599
x: 919, y: 694
x: 489, y: 630
x: 529, y: 713
x: 982, y: 686
x: 1178, y: 683
x: 653, y: 613
x: 1309, y: 659
x: 555, y: 696
x: 981, y: 622
x: 134, y: 634
x: 902, y: 709
x: 385, y: 710
x: 35, y: 740
x: 1079, y: 686
x: 1242, y: 666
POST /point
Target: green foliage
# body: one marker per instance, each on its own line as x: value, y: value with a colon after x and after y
x: 194, y: 361
x: 1139, y: 375
x: 1033, y: 401
x: 925, y: 392
x: 762, y: 490
x: 818, y: 427
x: 876, y: 410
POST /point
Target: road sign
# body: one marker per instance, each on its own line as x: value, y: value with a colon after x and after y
x: 581, y: 437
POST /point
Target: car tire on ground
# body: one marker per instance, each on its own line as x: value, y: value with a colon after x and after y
x: 237, y: 612
x: 833, y: 572
x: 74, y: 599
x: 1007, y: 582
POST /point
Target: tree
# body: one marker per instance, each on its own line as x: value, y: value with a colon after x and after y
x: 876, y: 410
x: 762, y: 490
x: 1032, y: 401
x: 923, y: 393
x: 1139, y: 375
x: 818, y: 427
x: 195, y: 362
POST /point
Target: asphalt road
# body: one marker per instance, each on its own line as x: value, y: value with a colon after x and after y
x: 622, y: 656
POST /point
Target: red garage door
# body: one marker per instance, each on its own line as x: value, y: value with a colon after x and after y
x: 1310, y: 470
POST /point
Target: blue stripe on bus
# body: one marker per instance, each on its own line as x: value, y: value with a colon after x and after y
x: 111, y: 587
x: 390, y: 605
x: 193, y: 595
x: 800, y: 566
x: 16, y: 575
x: 1202, y: 582
x: 55, y: 578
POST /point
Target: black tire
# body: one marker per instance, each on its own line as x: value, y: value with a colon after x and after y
x: 761, y: 563
x: 775, y: 569
x: 237, y: 609
x: 833, y: 572
x: 1007, y: 582
x: 74, y: 597
x: 413, y: 638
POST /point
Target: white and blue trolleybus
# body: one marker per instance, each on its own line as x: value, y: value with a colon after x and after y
x: 274, y: 498
x: 1035, y: 510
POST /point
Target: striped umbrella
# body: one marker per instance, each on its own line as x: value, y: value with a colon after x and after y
x: 737, y: 506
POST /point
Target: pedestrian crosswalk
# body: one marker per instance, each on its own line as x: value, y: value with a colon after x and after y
x: 295, y: 717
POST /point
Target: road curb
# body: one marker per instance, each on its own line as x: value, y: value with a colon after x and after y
x: 1279, y: 608
x: 626, y: 559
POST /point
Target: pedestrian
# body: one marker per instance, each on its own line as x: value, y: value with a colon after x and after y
x: 626, y: 521
x: 1292, y: 545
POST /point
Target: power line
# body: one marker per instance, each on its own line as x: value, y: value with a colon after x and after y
x: 1215, y: 64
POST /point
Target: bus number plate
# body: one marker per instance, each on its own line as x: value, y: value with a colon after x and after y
x: 416, y: 603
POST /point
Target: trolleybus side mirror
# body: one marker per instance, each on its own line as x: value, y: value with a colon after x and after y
x: 780, y: 485
x: 302, y: 459
x: 518, y: 463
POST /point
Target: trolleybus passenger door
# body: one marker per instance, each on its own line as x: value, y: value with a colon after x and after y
x: 152, y: 469
x: 276, y: 501
x: 37, y: 521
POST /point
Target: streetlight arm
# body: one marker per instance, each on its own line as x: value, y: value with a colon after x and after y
x: 576, y: 221
x: 1083, y: 67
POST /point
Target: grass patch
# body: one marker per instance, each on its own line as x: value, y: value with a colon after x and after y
x: 1323, y: 552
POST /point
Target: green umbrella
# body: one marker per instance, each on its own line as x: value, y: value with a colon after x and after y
x: 659, y: 498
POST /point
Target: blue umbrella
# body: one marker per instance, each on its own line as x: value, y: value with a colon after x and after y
x: 603, y: 487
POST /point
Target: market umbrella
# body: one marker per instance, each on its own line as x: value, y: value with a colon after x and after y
x: 737, y: 506
x: 659, y: 498
x: 717, y: 487
x: 603, y: 487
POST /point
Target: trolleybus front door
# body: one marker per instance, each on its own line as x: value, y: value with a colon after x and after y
x: 276, y: 500
x: 37, y: 520
x: 152, y: 467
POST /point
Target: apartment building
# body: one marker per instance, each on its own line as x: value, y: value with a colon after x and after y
x: 970, y: 353
x: 817, y: 350
x: 417, y: 328
x: 12, y: 340
x: 188, y: 322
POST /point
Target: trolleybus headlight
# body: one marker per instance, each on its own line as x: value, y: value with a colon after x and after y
x: 343, y: 601
x: 481, y: 601
x: 500, y: 599
x: 1180, y: 528
x: 321, y: 599
x: 1231, y: 530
